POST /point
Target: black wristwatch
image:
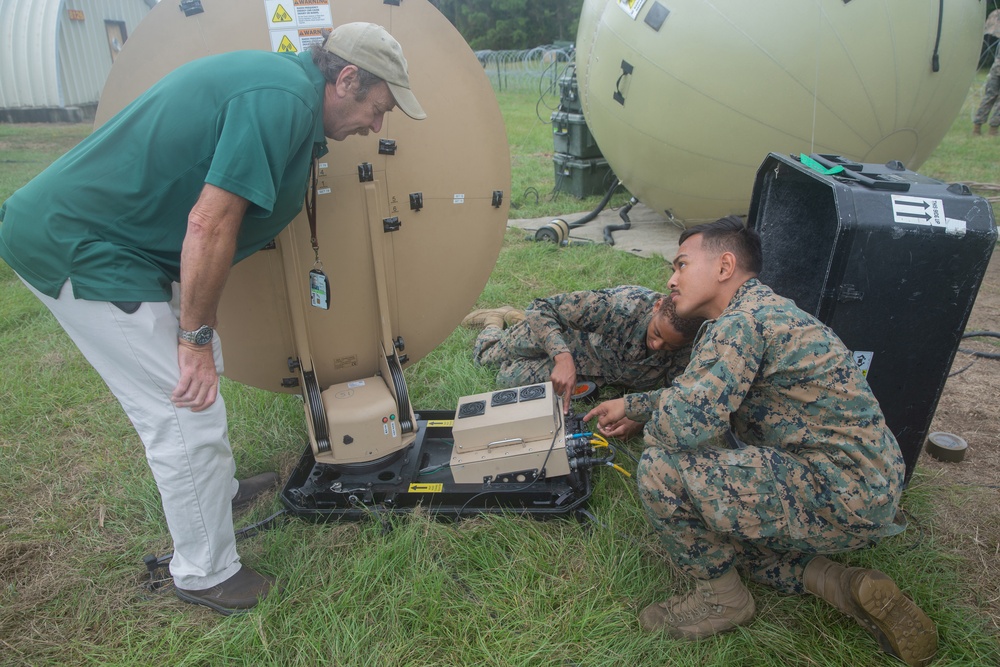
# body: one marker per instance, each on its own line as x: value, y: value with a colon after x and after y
x: 200, y: 336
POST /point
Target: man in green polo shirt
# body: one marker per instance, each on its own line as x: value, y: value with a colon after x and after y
x: 129, y: 238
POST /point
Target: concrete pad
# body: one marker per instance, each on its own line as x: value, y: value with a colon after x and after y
x: 650, y: 233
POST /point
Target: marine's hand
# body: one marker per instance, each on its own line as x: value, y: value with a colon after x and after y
x: 564, y: 378
x: 608, y: 413
x: 199, y: 382
x: 623, y: 429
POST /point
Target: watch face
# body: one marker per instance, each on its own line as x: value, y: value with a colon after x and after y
x: 203, y: 336
x: 200, y: 336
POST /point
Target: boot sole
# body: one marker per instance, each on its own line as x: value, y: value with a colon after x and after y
x: 901, y: 628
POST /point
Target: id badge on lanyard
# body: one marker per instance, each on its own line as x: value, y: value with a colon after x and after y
x: 319, y: 284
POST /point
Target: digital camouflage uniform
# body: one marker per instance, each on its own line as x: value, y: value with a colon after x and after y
x: 991, y: 97
x: 812, y: 468
x: 605, y: 330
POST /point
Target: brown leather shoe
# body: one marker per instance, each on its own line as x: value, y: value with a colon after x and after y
x: 235, y: 595
x: 253, y: 488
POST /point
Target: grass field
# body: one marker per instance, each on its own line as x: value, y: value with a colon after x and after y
x: 80, y: 510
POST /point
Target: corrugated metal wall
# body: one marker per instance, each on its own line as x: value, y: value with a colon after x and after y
x: 56, y: 53
x: 28, y: 53
x: 84, y: 48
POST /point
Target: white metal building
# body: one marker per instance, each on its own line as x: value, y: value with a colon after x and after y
x: 56, y: 54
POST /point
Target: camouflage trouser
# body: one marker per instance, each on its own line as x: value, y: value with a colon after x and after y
x: 715, y: 508
x: 991, y: 99
x: 513, y: 370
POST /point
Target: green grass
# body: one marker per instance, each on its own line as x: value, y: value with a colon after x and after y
x: 79, y: 510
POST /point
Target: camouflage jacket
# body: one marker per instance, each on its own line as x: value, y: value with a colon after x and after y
x: 605, y: 330
x: 781, y: 379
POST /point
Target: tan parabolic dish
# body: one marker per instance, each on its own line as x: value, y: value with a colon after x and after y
x: 414, y: 284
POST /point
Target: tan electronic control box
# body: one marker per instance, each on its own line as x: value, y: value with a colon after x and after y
x: 509, y: 435
x: 363, y: 424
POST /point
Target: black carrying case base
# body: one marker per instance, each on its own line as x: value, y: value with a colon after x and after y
x: 419, y: 479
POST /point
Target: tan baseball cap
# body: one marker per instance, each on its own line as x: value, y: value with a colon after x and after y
x: 372, y: 48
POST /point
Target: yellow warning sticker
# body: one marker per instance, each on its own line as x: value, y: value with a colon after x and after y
x: 431, y: 423
x: 426, y: 488
x: 631, y: 7
x: 281, y: 16
x: 286, y: 45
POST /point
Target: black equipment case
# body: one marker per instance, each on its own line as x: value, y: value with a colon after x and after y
x: 888, y: 259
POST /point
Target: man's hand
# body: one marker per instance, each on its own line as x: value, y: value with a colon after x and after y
x: 199, y: 382
x: 623, y: 429
x: 564, y: 378
x: 610, y: 417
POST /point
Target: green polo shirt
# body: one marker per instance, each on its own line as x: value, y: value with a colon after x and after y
x: 111, y: 214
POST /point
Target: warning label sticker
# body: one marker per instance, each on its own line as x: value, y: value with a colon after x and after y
x: 313, y: 13
x: 864, y: 361
x: 295, y: 25
x: 631, y: 7
x: 284, y: 42
x: 281, y: 15
x: 910, y: 210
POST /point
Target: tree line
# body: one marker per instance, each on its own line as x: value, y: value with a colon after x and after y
x: 512, y: 24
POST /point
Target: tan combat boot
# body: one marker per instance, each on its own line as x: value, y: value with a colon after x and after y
x: 477, y: 319
x: 513, y: 316
x: 977, y: 129
x: 714, y: 606
x: 898, y: 625
x: 994, y: 130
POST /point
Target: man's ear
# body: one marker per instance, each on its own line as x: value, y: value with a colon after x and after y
x: 727, y: 266
x: 346, y: 80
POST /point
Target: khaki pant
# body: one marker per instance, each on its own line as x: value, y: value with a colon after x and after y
x: 188, y: 452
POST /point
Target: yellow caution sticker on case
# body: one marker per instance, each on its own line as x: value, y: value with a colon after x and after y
x: 426, y: 488
x: 431, y: 423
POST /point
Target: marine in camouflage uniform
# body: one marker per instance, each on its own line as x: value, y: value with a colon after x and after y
x: 812, y: 468
x: 991, y: 100
x: 605, y: 331
x: 768, y: 451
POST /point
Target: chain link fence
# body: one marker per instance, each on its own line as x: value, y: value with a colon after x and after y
x: 531, y: 70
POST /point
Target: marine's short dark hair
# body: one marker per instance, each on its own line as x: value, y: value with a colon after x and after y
x: 730, y: 234
x: 685, y: 326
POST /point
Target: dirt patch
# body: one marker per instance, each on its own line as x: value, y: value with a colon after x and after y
x: 967, y: 508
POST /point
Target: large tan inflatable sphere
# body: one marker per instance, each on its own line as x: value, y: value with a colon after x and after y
x: 686, y: 97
